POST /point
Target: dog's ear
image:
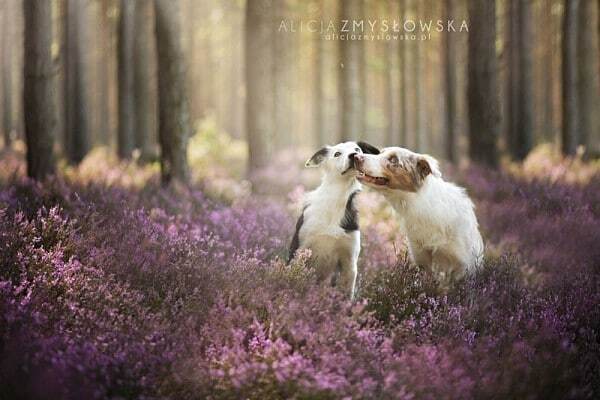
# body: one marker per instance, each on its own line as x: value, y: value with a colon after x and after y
x: 423, y: 167
x: 317, y: 158
x: 434, y: 165
x: 368, y: 148
x: 428, y: 165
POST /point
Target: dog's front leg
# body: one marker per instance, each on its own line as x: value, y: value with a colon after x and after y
x: 348, y: 273
x: 419, y: 255
x: 349, y: 268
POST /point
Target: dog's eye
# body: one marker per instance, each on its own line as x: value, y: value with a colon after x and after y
x: 358, y: 150
x: 393, y: 160
x: 337, y: 154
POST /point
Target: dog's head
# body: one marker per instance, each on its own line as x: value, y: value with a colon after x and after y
x: 396, y: 168
x: 338, y: 160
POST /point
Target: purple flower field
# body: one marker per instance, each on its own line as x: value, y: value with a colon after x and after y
x: 109, y: 291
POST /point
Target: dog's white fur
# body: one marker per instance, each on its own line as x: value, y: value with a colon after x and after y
x: 321, y: 228
x: 438, y: 217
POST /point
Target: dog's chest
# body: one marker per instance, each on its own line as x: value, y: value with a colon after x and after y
x: 330, y: 224
x: 424, y: 229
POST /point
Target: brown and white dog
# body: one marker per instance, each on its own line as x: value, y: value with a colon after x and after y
x: 436, y: 216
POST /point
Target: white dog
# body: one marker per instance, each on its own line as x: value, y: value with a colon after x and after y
x: 437, y: 217
x: 328, y: 225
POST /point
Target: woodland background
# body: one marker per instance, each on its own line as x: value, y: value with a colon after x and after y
x: 525, y: 73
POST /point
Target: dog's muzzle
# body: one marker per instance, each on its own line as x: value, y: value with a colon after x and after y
x: 351, y: 164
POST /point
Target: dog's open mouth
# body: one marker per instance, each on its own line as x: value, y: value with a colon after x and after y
x: 373, y: 180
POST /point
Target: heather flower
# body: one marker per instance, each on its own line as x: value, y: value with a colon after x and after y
x: 113, y: 287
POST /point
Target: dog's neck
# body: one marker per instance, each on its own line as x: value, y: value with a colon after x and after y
x: 339, y: 183
x: 337, y: 188
x: 401, y: 199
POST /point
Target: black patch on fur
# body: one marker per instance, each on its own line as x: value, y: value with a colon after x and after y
x: 296, y: 238
x: 368, y: 148
x: 349, y: 222
x: 318, y: 157
x: 352, y: 163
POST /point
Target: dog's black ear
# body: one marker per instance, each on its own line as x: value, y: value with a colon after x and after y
x: 368, y: 148
x: 317, y: 158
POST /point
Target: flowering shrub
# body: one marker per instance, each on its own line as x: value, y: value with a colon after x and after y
x: 552, y: 224
x: 402, y: 292
x: 114, y: 289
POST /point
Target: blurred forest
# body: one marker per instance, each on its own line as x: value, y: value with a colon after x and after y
x: 166, y: 140
x: 459, y: 79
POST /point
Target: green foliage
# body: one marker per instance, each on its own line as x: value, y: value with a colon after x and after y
x: 213, y: 153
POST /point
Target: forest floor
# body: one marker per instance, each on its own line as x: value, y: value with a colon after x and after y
x: 113, y: 287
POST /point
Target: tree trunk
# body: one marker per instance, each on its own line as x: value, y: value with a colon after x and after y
x: 39, y: 89
x: 101, y: 61
x: 416, y: 59
x: 351, y: 84
x: 144, y: 85
x: 318, y: 84
x: 388, y: 84
x: 78, y: 96
x: 111, y: 71
x: 588, y: 83
x: 7, y: 80
x: 521, y: 134
x: 482, y: 89
x: 524, y: 142
x: 450, y: 84
x: 259, y: 104
x: 16, y: 62
x: 388, y: 95
x: 66, y: 82
x: 174, y: 119
x: 5, y: 137
x: 196, y: 38
x: 403, y: 88
x: 127, y: 95
x: 59, y: 33
x: 512, y: 101
x: 234, y: 124
x: 571, y: 128
x: 546, y: 71
x: 282, y: 45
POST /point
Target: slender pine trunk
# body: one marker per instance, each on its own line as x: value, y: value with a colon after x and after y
x: 40, y: 95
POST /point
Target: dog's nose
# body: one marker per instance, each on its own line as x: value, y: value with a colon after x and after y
x: 358, y: 158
